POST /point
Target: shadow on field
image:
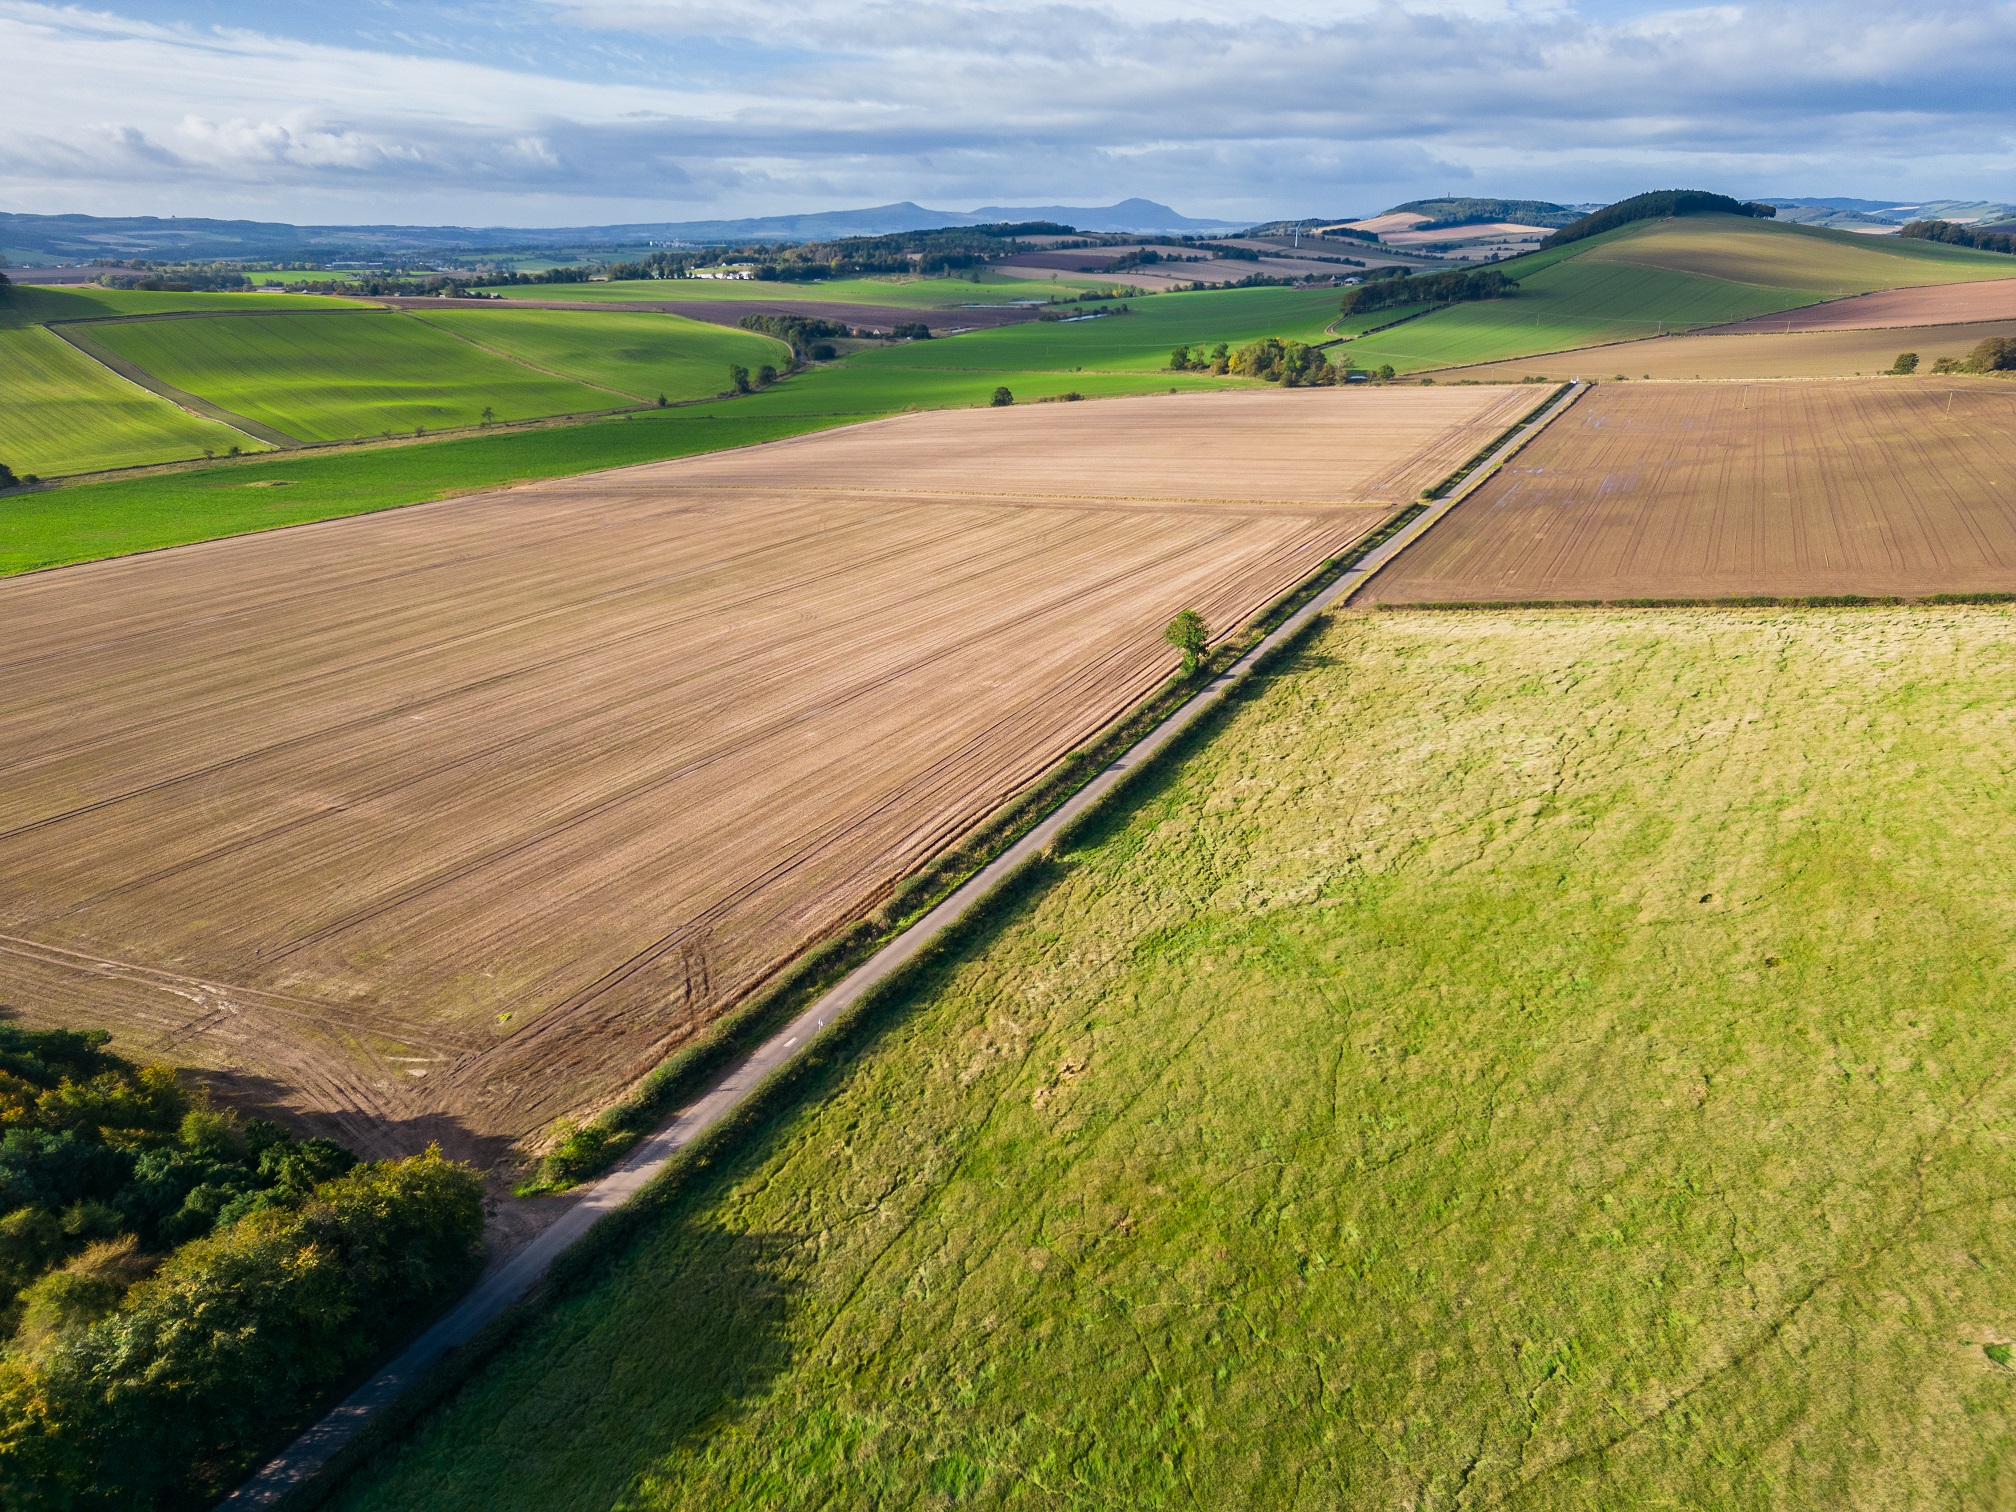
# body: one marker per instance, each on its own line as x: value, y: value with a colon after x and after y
x: 652, y: 1352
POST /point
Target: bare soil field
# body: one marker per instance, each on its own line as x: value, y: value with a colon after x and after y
x: 1655, y: 490
x: 1941, y: 304
x: 1309, y: 446
x: 447, y: 821
x: 1802, y: 354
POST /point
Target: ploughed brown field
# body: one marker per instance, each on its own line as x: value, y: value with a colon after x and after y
x: 447, y: 821
x: 1941, y: 304
x: 1659, y: 490
x: 1803, y: 354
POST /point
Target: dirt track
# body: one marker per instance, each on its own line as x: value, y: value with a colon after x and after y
x: 1874, y: 486
x: 446, y: 821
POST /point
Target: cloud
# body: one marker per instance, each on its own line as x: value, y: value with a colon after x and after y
x: 579, y: 110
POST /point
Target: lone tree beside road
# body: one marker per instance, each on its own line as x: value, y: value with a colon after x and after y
x: 1188, y: 633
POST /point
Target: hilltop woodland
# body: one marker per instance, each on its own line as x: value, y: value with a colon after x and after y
x: 1448, y: 214
x: 1957, y: 235
x: 179, y: 1283
x: 1388, y: 289
x: 1657, y: 205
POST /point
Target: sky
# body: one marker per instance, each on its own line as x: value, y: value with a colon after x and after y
x: 581, y: 112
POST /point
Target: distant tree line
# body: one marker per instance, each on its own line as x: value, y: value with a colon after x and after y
x: 1456, y: 286
x: 1960, y: 236
x: 180, y: 278
x: 180, y: 1283
x: 1657, y: 205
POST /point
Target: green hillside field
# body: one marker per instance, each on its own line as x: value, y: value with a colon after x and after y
x: 904, y: 293
x: 30, y: 304
x: 1530, y: 1060
x: 1657, y: 277
x: 328, y: 376
x: 1138, y: 341
x: 61, y: 412
x: 639, y: 355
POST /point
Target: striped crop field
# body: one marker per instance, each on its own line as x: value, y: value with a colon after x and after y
x: 637, y: 354
x: 356, y: 372
x: 61, y: 412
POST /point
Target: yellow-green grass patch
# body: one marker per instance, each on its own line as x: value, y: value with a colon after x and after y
x: 1139, y: 340
x: 329, y: 376
x: 641, y: 355
x: 1742, y: 250
x: 60, y: 412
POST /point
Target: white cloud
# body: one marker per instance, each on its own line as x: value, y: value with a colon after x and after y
x: 674, y: 108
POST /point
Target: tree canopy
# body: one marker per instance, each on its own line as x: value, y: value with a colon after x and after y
x: 1657, y: 205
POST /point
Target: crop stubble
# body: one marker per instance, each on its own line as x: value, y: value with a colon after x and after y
x: 446, y: 821
x: 1872, y: 486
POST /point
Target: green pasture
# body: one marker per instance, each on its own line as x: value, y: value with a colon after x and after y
x: 639, y: 355
x: 90, y: 521
x: 1576, y: 303
x: 1529, y: 1060
x: 61, y: 412
x: 905, y: 293
x: 1139, y: 340
x: 858, y: 389
x: 31, y: 304
x: 325, y: 377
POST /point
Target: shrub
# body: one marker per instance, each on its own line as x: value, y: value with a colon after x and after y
x: 1907, y: 362
x: 1993, y: 354
x: 738, y: 378
x: 7, y: 478
x: 173, y: 1394
x: 1189, y: 634
x: 1001, y: 397
x: 765, y: 376
x: 1292, y: 363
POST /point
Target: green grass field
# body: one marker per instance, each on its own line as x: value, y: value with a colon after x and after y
x: 640, y: 355
x: 60, y: 412
x: 328, y: 376
x: 29, y: 304
x: 1532, y: 1060
x: 1136, y: 342
x: 90, y: 521
x: 905, y: 293
x: 1662, y: 276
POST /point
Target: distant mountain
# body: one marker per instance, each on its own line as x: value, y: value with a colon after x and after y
x: 63, y: 238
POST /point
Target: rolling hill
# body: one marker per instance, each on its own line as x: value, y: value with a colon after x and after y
x: 1655, y: 277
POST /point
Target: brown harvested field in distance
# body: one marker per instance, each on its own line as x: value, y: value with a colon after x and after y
x: 1659, y: 490
x: 1942, y: 304
x: 446, y: 821
x: 1805, y: 354
x: 1316, y: 446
